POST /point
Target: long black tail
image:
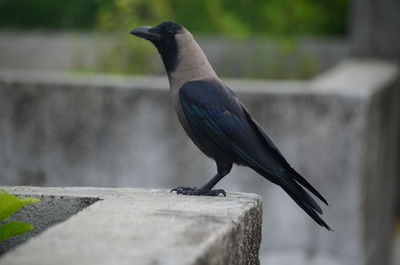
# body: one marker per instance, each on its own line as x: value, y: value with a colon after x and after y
x: 290, y: 182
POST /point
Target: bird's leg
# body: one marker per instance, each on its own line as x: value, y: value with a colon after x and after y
x: 206, y: 190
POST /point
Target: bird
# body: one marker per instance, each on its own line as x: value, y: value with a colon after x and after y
x: 218, y: 122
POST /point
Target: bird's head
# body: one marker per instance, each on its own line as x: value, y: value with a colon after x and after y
x: 162, y: 34
x: 165, y: 37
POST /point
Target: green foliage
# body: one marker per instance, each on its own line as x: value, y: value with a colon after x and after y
x: 232, y: 18
x: 10, y: 204
x: 49, y: 14
x: 120, y: 16
x: 14, y: 228
x: 276, y: 17
x: 238, y: 19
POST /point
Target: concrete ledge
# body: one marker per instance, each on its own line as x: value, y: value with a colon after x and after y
x: 138, y: 226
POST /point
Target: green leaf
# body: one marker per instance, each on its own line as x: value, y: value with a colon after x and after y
x: 13, y: 228
x: 9, y: 204
x: 28, y: 200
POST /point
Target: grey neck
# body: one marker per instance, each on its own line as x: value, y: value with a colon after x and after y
x: 192, y: 63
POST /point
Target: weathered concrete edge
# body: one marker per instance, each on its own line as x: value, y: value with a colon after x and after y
x: 357, y: 77
x: 381, y: 172
x: 159, y: 83
x: 334, y: 82
x: 89, y: 192
x: 238, y: 243
x: 244, y: 235
x: 44, y: 214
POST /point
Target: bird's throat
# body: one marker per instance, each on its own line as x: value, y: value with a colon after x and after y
x: 169, y: 56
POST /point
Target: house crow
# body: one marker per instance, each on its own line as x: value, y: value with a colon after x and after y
x: 218, y: 123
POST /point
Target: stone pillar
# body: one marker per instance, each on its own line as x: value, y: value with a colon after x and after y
x: 375, y: 28
x: 375, y: 32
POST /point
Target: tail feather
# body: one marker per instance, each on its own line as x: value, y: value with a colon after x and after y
x: 288, y: 184
x: 311, y: 211
x: 303, y: 182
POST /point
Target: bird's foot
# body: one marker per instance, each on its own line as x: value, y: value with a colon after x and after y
x: 198, y: 192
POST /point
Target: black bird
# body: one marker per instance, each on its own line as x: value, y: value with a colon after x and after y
x: 218, y: 123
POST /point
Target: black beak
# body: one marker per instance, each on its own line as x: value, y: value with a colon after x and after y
x: 145, y: 33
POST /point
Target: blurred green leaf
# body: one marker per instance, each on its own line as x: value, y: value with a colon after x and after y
x: 10, y: 204
x: 28, y: 200
x: 13, y: 228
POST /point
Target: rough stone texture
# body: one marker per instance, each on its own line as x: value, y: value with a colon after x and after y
x: 340, y: 130
x: 49, y: 211
x: 146, y: 227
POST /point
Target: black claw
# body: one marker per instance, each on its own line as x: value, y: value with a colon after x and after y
x: 218, y: 192
x: 184, y: 190
x: 215, y: 193
x: 198, y: 192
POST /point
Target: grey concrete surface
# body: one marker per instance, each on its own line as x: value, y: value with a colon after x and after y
x: 340, y: 130
x: 146, y: 227
x: 49, y: 211
x: 374, y: 28
x: 396, y: 250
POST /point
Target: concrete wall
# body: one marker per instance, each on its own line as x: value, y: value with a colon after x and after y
x: 339, y: 130
x: 143, y: 227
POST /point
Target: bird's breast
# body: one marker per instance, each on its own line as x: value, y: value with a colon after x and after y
x: 178, y: 108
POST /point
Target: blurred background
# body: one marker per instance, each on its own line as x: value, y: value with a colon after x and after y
x: 81, y: 100
x: 292, y: 39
